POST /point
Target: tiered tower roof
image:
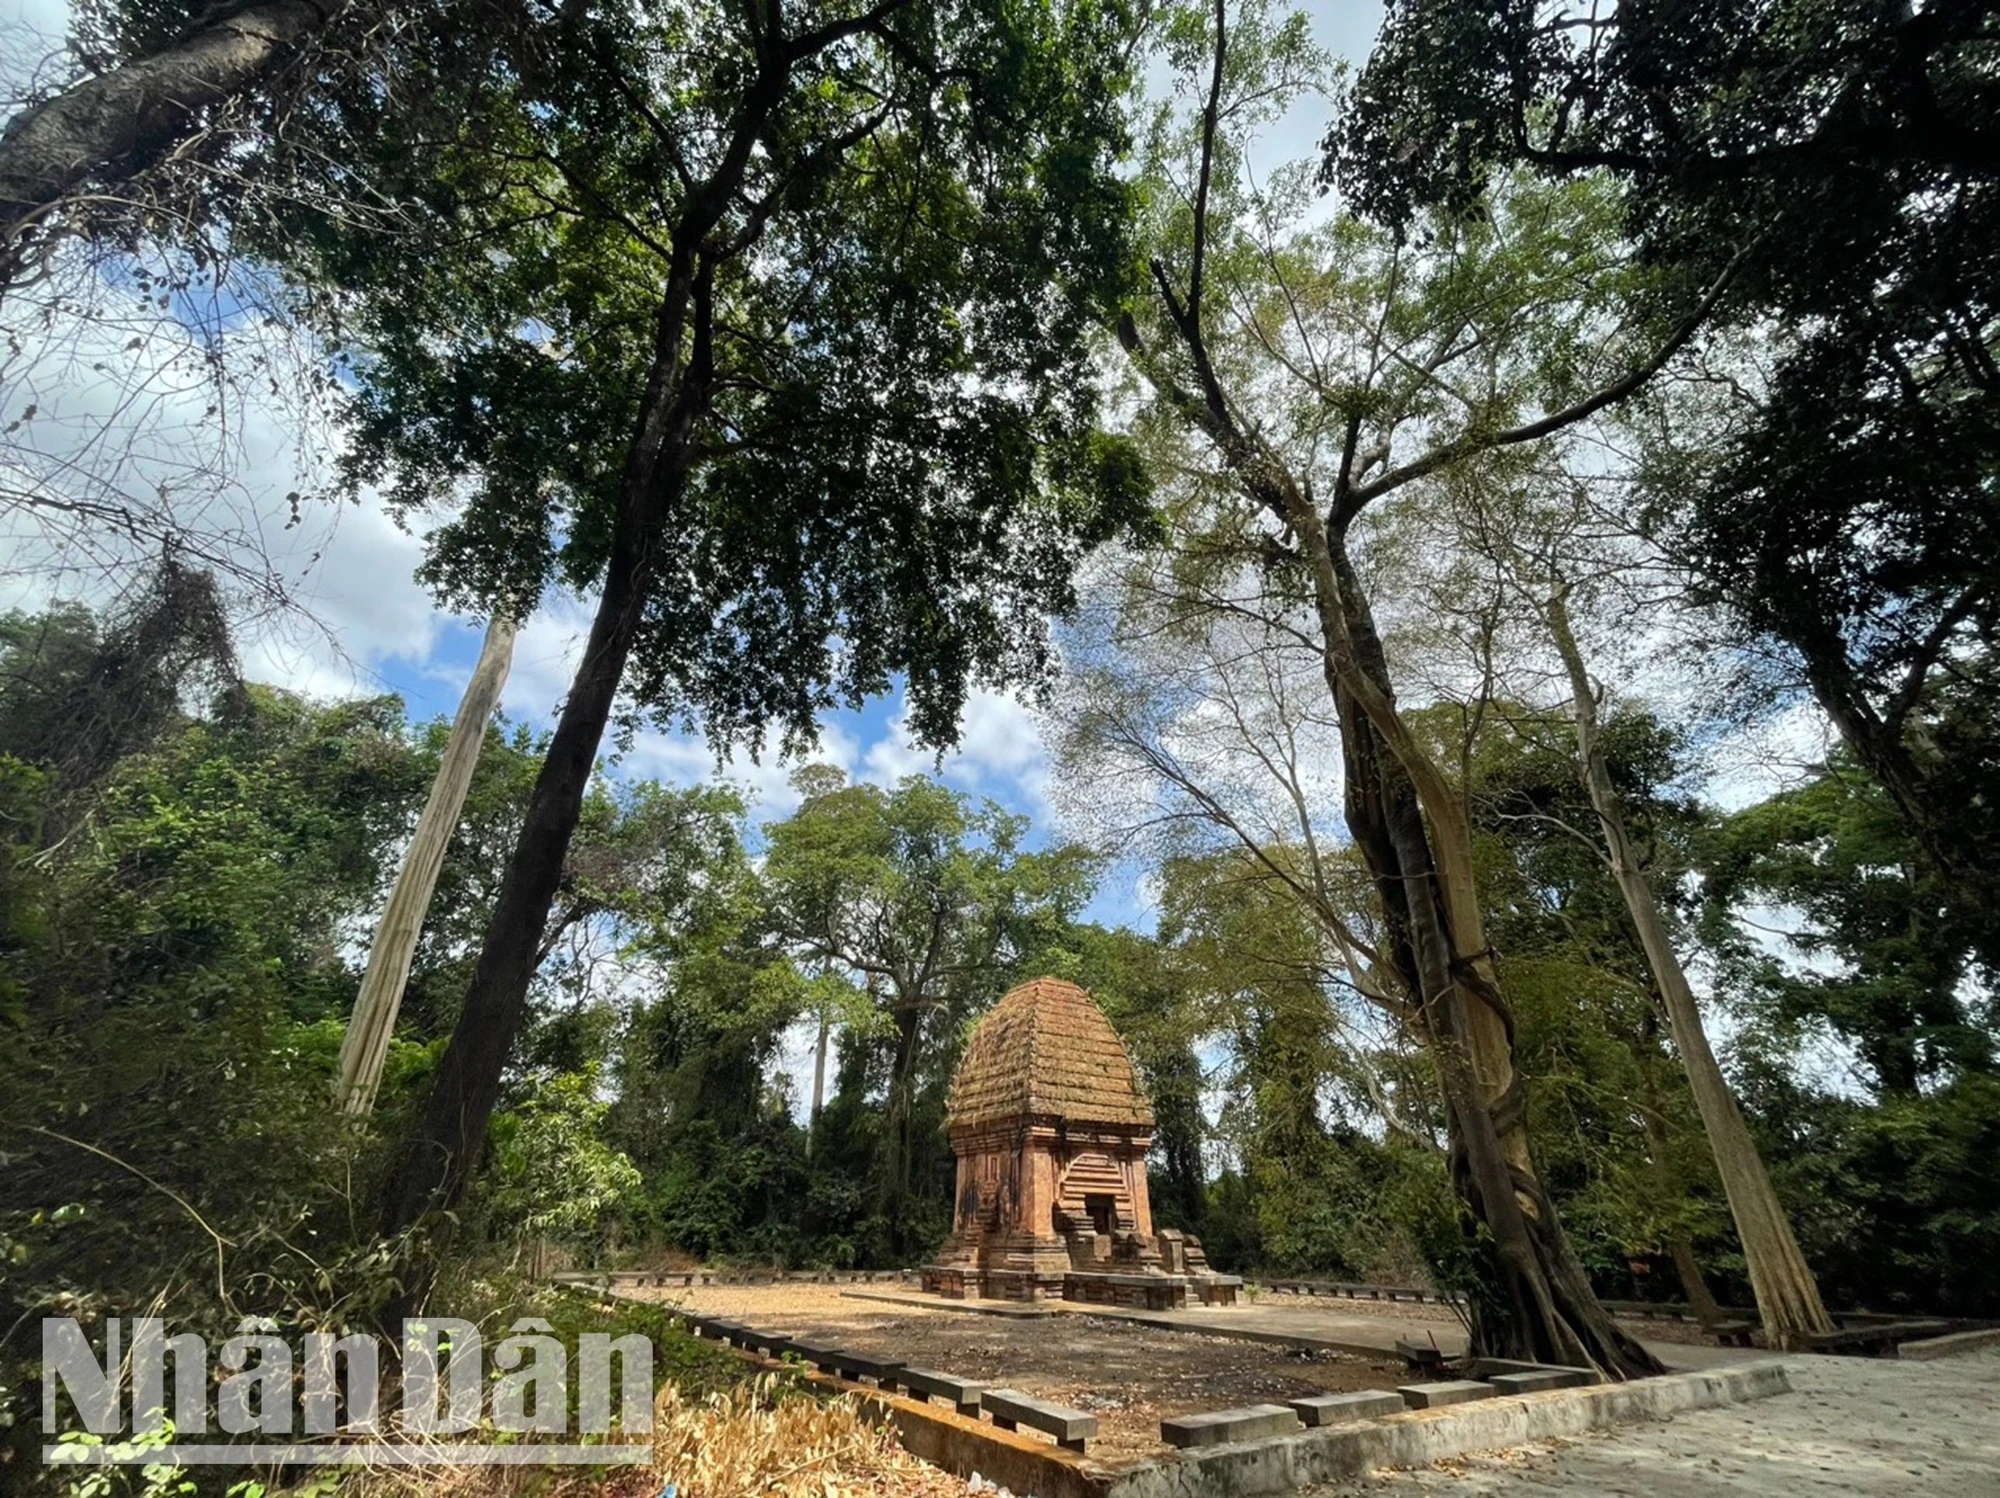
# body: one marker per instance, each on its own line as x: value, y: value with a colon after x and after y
x: 1046, y: 1050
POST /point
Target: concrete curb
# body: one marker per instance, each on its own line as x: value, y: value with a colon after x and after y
x: 1954, y: 1342
x: 1284, y: 1463
x: 1423, y: 1436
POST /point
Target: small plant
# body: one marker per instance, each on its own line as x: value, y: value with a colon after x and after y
x: 113, y: 1476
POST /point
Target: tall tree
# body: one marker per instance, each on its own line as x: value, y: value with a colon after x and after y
x: 1373, y: 367
x: 1546, y: 550
x: 1788, y: 1299
x: 718, y: 313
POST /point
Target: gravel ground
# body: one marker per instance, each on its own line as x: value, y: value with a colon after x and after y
x: 1129, y: 1375
x: 1851, y: 1428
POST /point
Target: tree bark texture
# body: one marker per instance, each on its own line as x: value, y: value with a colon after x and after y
x: 1415, y: 833
x: 1788, y: 1298
x: 106, y: 129
x: 365, y: 1047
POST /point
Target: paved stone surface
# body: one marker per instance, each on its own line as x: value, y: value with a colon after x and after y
x: 1854, y: 1426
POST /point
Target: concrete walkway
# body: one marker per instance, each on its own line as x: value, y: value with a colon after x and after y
x: 1854, y: 1426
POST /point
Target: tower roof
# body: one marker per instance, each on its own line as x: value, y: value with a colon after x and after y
x: 1046, y: 1050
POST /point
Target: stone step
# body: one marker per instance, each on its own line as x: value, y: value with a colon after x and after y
x: 1451, y: 1391
x: 1073, y: 1429
x: 1336, y: 1409
x: 1257, y: 1422
x: 928, y: 1383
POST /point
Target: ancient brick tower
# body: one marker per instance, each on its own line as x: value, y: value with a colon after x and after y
x: 1051, y: 1127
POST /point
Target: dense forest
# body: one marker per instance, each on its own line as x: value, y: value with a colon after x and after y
x: 1508, y: 596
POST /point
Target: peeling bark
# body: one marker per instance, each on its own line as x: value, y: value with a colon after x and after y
x: 365, y: 1047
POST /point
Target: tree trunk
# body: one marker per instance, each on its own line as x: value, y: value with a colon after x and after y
x: 106, y: 129
x: 1681, y: 1248
x: 1416, y: 836
x: 1680, y: 1245
x: 436, y: 1164
x: 446, y: 1141
x: 896, y: 1177
x: 819, y: 1082
x: 1787, y: 1296
x: 366, y: 1045
x: 1956, y: 842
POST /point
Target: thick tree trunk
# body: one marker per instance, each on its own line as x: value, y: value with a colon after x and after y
x: 103, y: 131
x: 448, y: 1137
x: 366, y: 1045
x: 1416, y: 838
x: 1787, y: 1296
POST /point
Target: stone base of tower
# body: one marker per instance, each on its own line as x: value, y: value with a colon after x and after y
x: 1138, y: 1292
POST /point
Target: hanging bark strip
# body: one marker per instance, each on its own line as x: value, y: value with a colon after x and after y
x: 365, y: 1047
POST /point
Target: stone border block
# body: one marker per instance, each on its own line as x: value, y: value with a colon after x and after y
x: 1946, y: 1346
x: 1448, y: 1391
x: 1010, y: 1408
x: 1337, y: 1409
x: 927, y: 1383
x: 1255, y: 1422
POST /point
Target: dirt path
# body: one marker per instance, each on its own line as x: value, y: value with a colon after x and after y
x: 1852, y: 1428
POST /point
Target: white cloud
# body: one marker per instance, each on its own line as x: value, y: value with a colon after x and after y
x: 121, y: 412
x: 686, y: 759
x: 1000, y: 753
